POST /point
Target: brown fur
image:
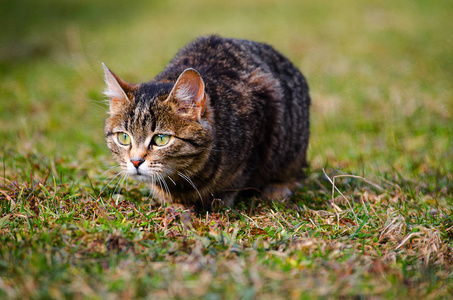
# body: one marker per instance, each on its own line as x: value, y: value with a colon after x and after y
x: 238, y: 116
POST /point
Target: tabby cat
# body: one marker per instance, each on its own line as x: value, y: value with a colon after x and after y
x: 225, y: 115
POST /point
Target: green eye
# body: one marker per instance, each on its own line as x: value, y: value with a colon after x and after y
x: 124, y: 139
x: 161, y: 139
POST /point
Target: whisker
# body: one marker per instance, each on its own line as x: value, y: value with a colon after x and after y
x: 117, y: 184
x: 167, y: 190
x: 153, y: 183
x: 160, y: 185
x: 171, y: 180
x: 122, y: 182
x: 187, y: 178
x: 109, y: 169
x: 118, y: 187
x: 97, y: 103
x: 120, y: 173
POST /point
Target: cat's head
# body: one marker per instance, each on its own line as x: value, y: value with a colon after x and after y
x: 156, y: 130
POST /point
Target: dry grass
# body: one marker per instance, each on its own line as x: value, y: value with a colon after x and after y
x: 372, y: 220
x: 360, y: 243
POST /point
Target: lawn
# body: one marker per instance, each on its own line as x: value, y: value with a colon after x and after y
x: 374, y: 218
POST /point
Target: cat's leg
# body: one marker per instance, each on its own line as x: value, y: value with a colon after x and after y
x: 277, y: 191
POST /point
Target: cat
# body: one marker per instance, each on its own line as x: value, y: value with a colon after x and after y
x: 225, y: 115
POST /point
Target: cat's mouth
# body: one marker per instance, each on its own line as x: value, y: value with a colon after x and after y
x: 141, y: 177
x: 145, y: 175
x: 136, y: 172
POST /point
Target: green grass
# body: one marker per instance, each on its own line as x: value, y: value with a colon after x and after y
x: 380, y: 75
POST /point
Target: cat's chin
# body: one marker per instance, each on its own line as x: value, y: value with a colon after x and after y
x: 141, y: 178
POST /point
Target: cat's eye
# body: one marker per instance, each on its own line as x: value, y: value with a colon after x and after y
x: 161, y: 139
x: 124, y: 139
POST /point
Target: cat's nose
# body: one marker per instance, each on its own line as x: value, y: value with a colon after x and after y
x: 137, y: 161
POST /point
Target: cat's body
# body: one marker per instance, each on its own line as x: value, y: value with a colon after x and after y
x: 240, y: 121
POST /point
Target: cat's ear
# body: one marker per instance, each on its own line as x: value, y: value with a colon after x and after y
x: 117, y: 90
x: 189, y: 94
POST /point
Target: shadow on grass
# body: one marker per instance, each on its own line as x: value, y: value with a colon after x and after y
x: 29, y: 28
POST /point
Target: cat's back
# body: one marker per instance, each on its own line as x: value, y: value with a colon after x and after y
x: 225, y: 58
x: 261, y: 106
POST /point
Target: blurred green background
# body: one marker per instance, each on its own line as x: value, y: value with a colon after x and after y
x: 380, y: 72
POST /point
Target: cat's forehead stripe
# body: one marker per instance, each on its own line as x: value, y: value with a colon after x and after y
x: 142, y: 117
x: 140, y: 121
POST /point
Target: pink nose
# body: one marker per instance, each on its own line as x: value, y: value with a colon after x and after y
x: 137, y: 161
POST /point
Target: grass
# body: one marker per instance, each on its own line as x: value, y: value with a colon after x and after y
x: 374, y: 218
